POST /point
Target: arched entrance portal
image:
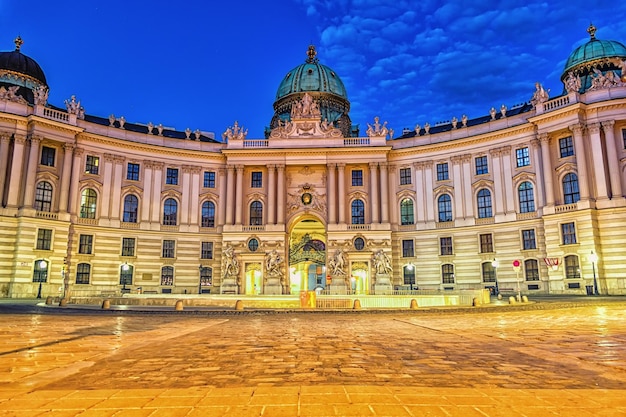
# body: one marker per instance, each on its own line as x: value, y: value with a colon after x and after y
x: 307, y: 256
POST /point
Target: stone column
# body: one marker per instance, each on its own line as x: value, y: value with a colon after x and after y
x: 468, y: 195
x: 4, y: 162
x: 221, y: 204
x: 147, y: 191
x: 612, y: 158
x: 194, y: 215
x: 579, y: 146
x: 498, y: 190
x: 374, y: 192
x: 597, y: 157
x: 280, y: 197
x: 230, y: 194
x: 429, y: 186
x: 116, y: 191
x: 392, y: 206
x: 157, y: 184
x: 507, y: 172
x: 31, y: 171
x: 271, y: 194
x: 384, y: 192
x: 75, y: 181
x: 332, y: 194
x: 341, y: 194
x: 419, y: 191
x: 186, y: 195
x: 17, y: 165
x: 539, y: 183
x: 66, y: 175
x: 239, y: 196
x: 548, y: 176
x: 457, y: 183
x: 107, y: 180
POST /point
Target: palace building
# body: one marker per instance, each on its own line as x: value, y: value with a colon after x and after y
x: 531, y: 195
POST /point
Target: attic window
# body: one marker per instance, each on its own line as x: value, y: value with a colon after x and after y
x: 332, y: 74
x: 310, y: 71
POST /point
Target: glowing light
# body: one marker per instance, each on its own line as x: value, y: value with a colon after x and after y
x: 43, y: 264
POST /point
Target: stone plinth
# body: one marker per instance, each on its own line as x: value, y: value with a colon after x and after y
x: 273, y: 287
x: 229, y: 286
x: 383, y: 284
x: 338, y: 285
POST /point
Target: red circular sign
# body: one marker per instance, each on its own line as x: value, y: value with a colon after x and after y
x: 516, y: 263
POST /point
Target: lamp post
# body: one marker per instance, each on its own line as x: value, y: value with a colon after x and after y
x: 200, y: 279
x: 43, y: 265
x: 594, y: 258
x: 125, y: 268
x: 495, y: 264
x: 412, y: 277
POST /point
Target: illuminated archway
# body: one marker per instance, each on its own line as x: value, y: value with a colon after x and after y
x: 307, y: 255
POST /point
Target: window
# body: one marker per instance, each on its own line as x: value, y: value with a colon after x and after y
x: 256, y: 213
x: 47, y: 156
x: 209, y: 179
x: 572, y: 268
x: 85, y: 244
x: 624, y: 137
x: 528, y: 239
x: 253, y: 245
x: 171, y: 176
x: 442, y: 172
x: 131, y: 205
x: 444, y: 205
x: 531, y: 269
x: 88, y: 201
x: 257, y: 179
x: 359, y: 243
x: 170, y: 212
x: 570, y: 189
x: 132, y: 172
x: 523, y: 157
x: 409, y: 275
x: 40, y: 271
x: 566, y: 147
x: 206, y: 252
x: 43, y: 196
x: 83, y: 271
x: 126, y: 274
x: 489, y: 272
x: 526, y: 197
x: 358, y: 212
x: 357, y: 177
x: 484, y: 204
x: 167, y: 275
x: 44, y: 239
x: 128, y: 246
x: 405, y: 176
x: 568, y: 232
x: 445, y: 246
x: 408, y: 250
x: 481, y: 165
x: 168, y: 248
x: 206, y: 277
x: 447, y: 274
x: 406, y: 211
x: 486, y: 243
x: 92, y: 164
x: 208, y: 214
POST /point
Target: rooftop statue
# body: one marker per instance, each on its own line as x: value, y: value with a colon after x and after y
x: 306, y: 108
x: 572, y: 83
x: 540, y: 95
x: 235, y: 132
x: 41, y: 95
x: 377, y: 129
x: 72, y: 105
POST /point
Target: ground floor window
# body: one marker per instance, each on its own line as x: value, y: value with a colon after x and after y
x: 167, y: 275
x: 83, y: 271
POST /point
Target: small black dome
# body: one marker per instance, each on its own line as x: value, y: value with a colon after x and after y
x: 16, y: 61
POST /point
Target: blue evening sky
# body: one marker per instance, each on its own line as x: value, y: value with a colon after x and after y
x: 205, y: 64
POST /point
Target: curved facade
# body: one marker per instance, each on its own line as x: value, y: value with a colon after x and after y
x: 530, y: 196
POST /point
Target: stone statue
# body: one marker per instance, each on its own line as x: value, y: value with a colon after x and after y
x: 503, y: 110
x: 160, y: 129
x: 540, y: 95
x: 417, y: 129
x: 377, y: 129
x: 235, y: 132
x: 273, y: 264
x: 305, y: 108
x: 111, y: 119
x: 572, y: 84
x: 187, y: 133
x: 197, y: 134
x: 150, y: 127
x: 382, y: 262
x: 427, y: 128
x: 122, y: 120
x: 10, y: 93
x: 464, y: 120
x: 41, y: 95
x: 230, y: 264
x: 455, y: 121
x: 492, y: 112
x: 337, y: 263
x: 72, y: 105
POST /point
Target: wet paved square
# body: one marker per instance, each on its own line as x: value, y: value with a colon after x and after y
x: 492, y: 363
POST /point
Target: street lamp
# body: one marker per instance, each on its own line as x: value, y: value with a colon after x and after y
x: 200, y: 279
x: 594, y: 258
x: 43, y: 265
x: 495, y: 264
x: 409, y: 267
x: 125, y: 268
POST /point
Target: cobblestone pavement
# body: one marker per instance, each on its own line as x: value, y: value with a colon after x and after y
x: 500, y: 362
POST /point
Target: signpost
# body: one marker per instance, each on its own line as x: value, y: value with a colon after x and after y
x: 517, y: 266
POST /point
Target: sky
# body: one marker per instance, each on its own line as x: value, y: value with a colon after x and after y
x: 206, y: 64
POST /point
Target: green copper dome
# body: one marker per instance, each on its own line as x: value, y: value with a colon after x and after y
x: 594, y: 50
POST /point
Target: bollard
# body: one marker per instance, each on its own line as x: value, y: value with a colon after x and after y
x: 63, y: 302
x: 106, y: 304
x: 518, y: 298
x: 476, y: 302
x: 356, y: 305
x: 239, y: 305
x: 414, y: 304
x: 499, y: 296
x: 179, y: 305
x: 524, y: 299
x: 512, y: 300
x: 48, y: 300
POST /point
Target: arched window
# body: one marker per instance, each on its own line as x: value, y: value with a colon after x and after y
x: 126, y: 274
x: 444, y: 206
x: 406, y: 211
x: 131, y: 204
x: 484, y: 204
x: 572, y: 267
x: 526, y: 197
x: 409, y: 275
x: 170, y: 212
x: 489, y: 272
x: 447, y: 274
x: 531, y: 269
x: 43, y: 196
x: 206, y: 279
x: 40, y: 271
x: 570, y: 188
x: 88, y: 202
x: 208, y: 214
x: 167, y: 275
x: 358, y: 212
x: 256, y: 213
x: 83, y: 271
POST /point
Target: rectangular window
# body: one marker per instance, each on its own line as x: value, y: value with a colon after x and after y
x: 128, y: 246
x: 82, y: 273
x: 44, y: 239
x: 481, y: 165
x: 209, y: 179
x: 486, y: 243
x: 624, y: 137
x: 132, y: 172
x: 357, y: 178
x: 531, y: 269
x: 257, y: 179
x: 447, y: 274
x: 405, y: 176
x: 85, y: 244
x: 407, y: 249
x: 568, y: 231
x: 528, y: 239
x: 566, y: 147
x: 92, y: 164
x: 523, y: 157
x: 445, y: 246
x: 171, y: 178
x: 47, y: 156
x: 168, y: 248
x: 442, y: 172
x: 207, y: 250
